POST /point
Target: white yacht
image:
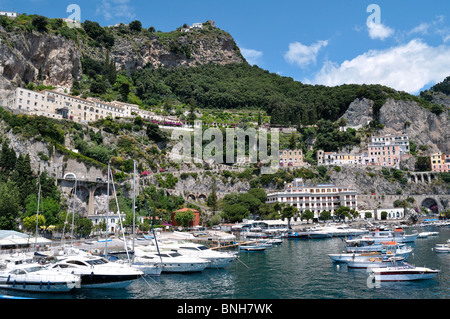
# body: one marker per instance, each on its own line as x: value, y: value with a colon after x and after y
x: 173, y: 262
x: 97, y: 272
x: 217, y: 259
x: 32, y: 277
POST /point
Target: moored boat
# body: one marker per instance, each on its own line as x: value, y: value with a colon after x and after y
x: 402, y: 272
x: 97, y: 272
x: 380, y: 262
x: 442, y: 248
x: 37, y: 278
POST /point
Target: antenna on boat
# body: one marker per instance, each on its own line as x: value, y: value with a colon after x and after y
x: 37, y: 216
x: 107, y: 212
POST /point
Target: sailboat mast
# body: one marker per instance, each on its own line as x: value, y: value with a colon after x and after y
x: 107, y: 213
x: 37, y: 217
x: 134, y: 202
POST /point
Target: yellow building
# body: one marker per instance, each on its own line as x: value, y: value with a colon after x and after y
x: 291, y: 158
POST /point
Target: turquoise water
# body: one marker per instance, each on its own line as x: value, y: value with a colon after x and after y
x: 296, y: 269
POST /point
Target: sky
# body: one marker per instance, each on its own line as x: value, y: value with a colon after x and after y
x: 401, y: 44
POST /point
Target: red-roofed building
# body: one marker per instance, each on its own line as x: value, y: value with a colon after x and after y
x: 196, y: 221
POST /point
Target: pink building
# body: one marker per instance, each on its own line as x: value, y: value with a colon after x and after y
x: 384, y: 155
x: 440, y: 162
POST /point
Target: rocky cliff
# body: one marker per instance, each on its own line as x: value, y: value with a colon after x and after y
x: 405, y: 117
x: 54, y: 59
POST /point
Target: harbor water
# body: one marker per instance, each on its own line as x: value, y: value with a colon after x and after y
x: 296, y: 269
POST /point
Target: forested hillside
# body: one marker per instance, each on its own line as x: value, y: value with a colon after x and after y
x: 241, y: 86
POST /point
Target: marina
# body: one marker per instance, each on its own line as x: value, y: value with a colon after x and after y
x: 292, y: 269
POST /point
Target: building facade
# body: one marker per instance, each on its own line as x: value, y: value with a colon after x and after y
x: 440, y: 162
x: 291, y: 158
x: 59, y: 105
x: 316, y: 198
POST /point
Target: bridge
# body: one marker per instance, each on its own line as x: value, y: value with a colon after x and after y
x: 429, y: 201
x: 86, y: 190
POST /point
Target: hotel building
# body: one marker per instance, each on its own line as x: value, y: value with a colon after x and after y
x: 316, y: 198
x: 59, y: 106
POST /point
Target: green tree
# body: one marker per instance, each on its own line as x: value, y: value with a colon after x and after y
x: 235, y: 212
x: 184, y: 218
x: 9, y: 205
x: 307, y: 214
x: 325, y: 215
x: 342, y: 212
x: 135, y: 25
x: 40, y: 23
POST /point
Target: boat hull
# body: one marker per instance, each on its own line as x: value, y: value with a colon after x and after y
x: 400, y: 274
x: 20, y: 283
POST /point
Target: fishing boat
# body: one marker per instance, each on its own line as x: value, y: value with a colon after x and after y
x: 397, y: 235
x: 401, y: 272
x: 37, y: 278
x: 442, y: 248
x: 367, y: 262
x: 368, y: 245
x: 344, y: 257
x: 97, y: 272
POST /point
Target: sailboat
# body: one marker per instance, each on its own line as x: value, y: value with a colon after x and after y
x: 96, y: 271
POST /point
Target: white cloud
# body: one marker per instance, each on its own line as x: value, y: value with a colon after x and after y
x: 303, y: 55
x: 252, y: 56
x: 408, y: 67
x: 379, y: 31
x: 420, y: 29
x: 111, y: 9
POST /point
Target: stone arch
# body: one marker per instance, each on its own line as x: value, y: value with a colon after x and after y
x: 431, y: 204
x: 70, y: 176
x: 191, y: 196
x: 202, y: 197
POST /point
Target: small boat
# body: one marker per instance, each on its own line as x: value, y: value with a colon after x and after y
x: 442, y: 248
x: 401, y: 272
x: 398, y: 235
x: 37, y: 278
x: 342, y: 258
x: 380, y: 262
x: 253, y: 248
x: 427, y: 234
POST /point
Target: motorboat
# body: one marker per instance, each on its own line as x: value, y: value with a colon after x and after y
x: 253, y: 248
x: 442, y: 248
x: 343, y: 230
x: 217, y: 259
x: 369, y: 245
x: 33, y: 277
x: 172, y: 262
x: 14, y: 260
x: 427, y: 234
x: 319, y: 233
x: 397, y: 235
x: 98, y: 272
x: 344, y: 257
x: 401, y: 272
x: 367, y: 262
x: 147, y: 265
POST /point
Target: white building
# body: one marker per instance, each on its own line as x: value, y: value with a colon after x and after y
x: 8, y: 14
x: 316, y: 198
x: 391, y: 213
x: 59, y: 105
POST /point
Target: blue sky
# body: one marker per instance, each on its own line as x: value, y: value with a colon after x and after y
x: 401, y: 44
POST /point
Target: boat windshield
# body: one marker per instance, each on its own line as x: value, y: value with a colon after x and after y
x: 99, y: 261
x: 33, y: 269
